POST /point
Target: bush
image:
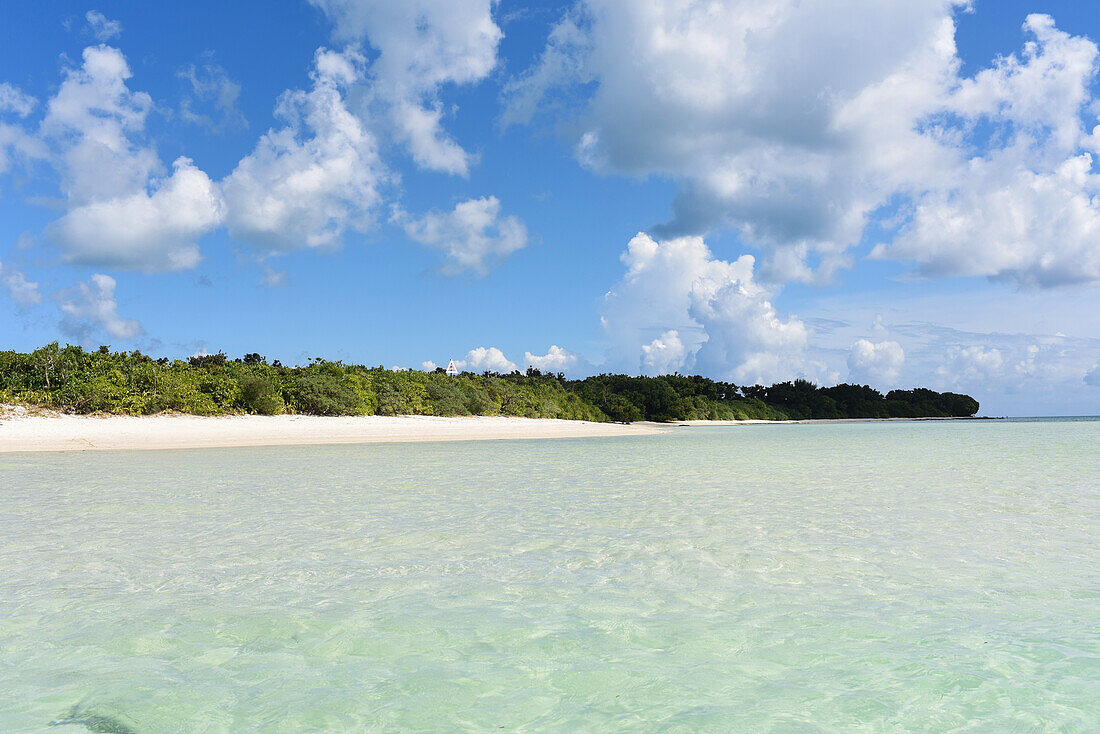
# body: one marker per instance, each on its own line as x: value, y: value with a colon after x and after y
x: 224, y: 390
x: 261, y: 396
x: 446, y: 398
x: 320, y: 393
x: 620, y: 409
x: 400, y: 393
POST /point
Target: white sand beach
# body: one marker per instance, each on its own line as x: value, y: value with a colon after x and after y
x: 21, y: 430
x: 30, y: 429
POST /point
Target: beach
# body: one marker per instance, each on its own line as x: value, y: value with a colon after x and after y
x: 22, y: 430
x: 29, y: 429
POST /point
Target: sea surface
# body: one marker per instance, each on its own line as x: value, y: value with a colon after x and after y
x: 925, y: 576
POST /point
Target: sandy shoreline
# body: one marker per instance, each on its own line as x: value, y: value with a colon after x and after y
x: 87, y: 433
x: 24, y: 430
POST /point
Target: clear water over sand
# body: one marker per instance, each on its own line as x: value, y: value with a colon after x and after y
x: 902, y: 576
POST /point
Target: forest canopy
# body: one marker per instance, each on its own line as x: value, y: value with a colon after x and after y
x: 74, y: 380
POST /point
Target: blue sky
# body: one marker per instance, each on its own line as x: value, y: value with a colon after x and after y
x: 844, y: 190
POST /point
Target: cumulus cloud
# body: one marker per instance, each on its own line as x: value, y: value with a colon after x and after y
x: 677, y: 308
x: 209, y: 86
x: 1027, y: 210
x: 1016, y: 373
x: 94, y: 119
x: 422, y: 46
x: 557, y: 360
x: 733, y: 101
x: 970, y: 365
x: 485, y: 358
x: 879, y: 363
x: 121, y: 212
x: 308, y: 182
x: 664, y: 355
x: 102, y: 28
x: 1016, y: 224
x: 151, y: 231
x: 90, y: 308
x: 21, y: 290
x: 473, y: 236
x: 14, y: 139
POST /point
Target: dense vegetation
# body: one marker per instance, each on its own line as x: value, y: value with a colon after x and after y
x: 74, y: 380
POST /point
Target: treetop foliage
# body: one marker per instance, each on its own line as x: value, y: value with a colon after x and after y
x: 74, y: 380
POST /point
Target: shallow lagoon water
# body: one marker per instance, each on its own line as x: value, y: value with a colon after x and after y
x: 836, y: 577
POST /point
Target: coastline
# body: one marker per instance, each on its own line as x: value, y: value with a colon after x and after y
x: 61, y: 432
x: 27, y: 430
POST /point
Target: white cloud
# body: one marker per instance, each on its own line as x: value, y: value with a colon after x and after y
x: 91, y: 307
x: 209, y: 86
x: 272, y: 278
x: 92, y: 118
x: 21, y: 290
x: 486, y: 358
x: 1041, y: 371
x: 121, y: 213
x: 1092, y: 377
x: 1044, y: 92
x: 735, y: 101
x: 13, y: 99
x: 879, y: 363
x: 308, y: 182
x: 561, y: 63
x: 101, y: 27
x: 428, y: 366
x: 970, y: 365
x: 664, y: 355
x: 14, y: 140
x: 695, y: 312
x: 556, y: 360
x: 474, y: 236
x: 149, y: 231
x: 1027, y: 210
x: 794, y: 125
x: 422, y: 46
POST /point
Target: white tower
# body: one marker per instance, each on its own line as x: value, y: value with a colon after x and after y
x: 451, y: 369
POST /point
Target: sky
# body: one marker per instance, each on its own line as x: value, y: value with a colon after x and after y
x: 896, y: 194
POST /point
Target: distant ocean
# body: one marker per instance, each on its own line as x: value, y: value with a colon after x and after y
x: 925, y: 576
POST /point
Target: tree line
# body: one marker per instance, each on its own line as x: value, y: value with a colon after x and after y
x: 75, y: 380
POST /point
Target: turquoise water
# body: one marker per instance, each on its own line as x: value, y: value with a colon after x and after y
x: 848, y: 577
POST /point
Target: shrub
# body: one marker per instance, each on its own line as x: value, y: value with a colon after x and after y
x: 620, y: 409
x: 223, y: 389
x: 446, y: 398
x: 321, y: 393
x: 261, y: 396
